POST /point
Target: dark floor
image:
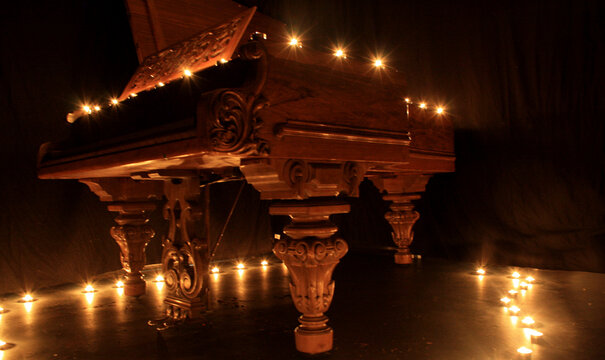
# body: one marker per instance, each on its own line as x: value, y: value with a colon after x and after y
x: 431, y: 310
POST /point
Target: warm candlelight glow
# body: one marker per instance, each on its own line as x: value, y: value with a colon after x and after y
x: 187, y: 72
x: 87, y: 109
x: 439, y: 110
x: 28, y: 305
x: 159, y: 278
x: 240, y: 266
x: 215, y: 270
x: 529, y: 279
x: 505, y: 300
x: 516, y: 275
x: 407, y: 100
x: 133, y: 94
x: 516, y: 283
x: 120, y: 291
x: 524, y: 285
x: 514, y: 309
x: 120, y: 284
x: 97, y: 108
x: 223, y: 60
x: 524, y: 351
x: 89, y: 289
x: 295, y: 42
x: 532, y: 334
x: 528, y: 321
x: 480, y: 271
x: 160, y: 84
x: 27, y: 298
x: 159, y: 285
x: 114, y: 101
x: 89, y: 297
x: 264, y: 263
x: 422, y: 105
x: 2, y: 343
x: 378, y: 63
x: 513, y: 293
x: 481, y: 277
x: 240, y: 272
x: 340, y: 53
x: 513, y: 320
x: 215, y: 276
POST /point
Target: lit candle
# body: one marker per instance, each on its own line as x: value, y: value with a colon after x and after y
x: 87, y: 109
x: 340, y: 53
x: 159, y: 278
x: 516, y: 275
x: 114, y: 101
x: 89, y: 289
x: 439, y: 110
x: 524, y: 352
x: 120, y: 291
x: 514, y: 309
x: 187, y: 72
x: 481, y: 271
x: 516, y: 283
x: 120, y: 284
x: 505, y: 300
x: 532, y: 334
x: 407, y: 100
x: 378, y: 63
x: 133, y: 94
x: 513, y: 293
x: 89, y: 297
x: 223, y: 60
x: 240, y: 266
x: 422, y: 105
x: 215, y: 270
x: 528, y: 321
x: 161, y: 84
x: 159, y: 285
x: 97, y: 108
x: 27, y: 298
x: 529, y: 279
x: 264, y: 263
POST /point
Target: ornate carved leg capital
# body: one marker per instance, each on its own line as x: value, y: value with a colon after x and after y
x: 402, y: 218
x: 132, y: 235
x: 311, y: 251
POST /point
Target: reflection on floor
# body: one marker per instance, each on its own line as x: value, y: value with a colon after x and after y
x: 430, y: 310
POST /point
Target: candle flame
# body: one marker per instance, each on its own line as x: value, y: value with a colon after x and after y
x: 514, y: 309
x: 480, y: 271
x: 528, y: 320
x: 159, y: 278
x: 529, y: 279
x: 422, y: 105
x: 264, y: 263
x: 340, y: 53
x: 505, y: 300
x: 120, y: 284
x: 215, y: 270
x: 516, y: 275
x: 28, y: 298
x: 524, y: 350
x: 89, y: 289
x: 240, y: 266
x: 440, y: 110
x: 378, y: 63
x: 187, y: 72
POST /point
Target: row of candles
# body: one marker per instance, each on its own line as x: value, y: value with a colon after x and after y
x: 293, y: 42
x: 89, y: 290
x: 509, y: 302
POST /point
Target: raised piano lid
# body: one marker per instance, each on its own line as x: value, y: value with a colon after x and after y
x: 314, y: 98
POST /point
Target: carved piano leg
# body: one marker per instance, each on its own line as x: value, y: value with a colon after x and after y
x: 185, y: 254
x: 401, y: 189
x: 132, y: 235
x: 311, y: 251
x: 402, y: 218
x: 133, y: 201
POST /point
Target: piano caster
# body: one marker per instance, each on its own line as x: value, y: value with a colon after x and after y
x: 311, y: 252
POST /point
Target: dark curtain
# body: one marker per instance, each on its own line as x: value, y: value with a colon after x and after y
x: 519, y: 79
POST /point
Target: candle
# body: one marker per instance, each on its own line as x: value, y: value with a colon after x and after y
x: 240, y: 266
x: 516, y: 275
x: 264, y: 263
x: 516, y: 283
x: 524, y: 285
x: 481, y: 271
x: 514, y: 309
x: 120, y: 284
x: 215, y: 270
x: 513, y: 293
x: 524, y: 353
x: 505, y: 300
x: 27, y: 298
x: 533, y: 335
x: 528, y: 321
x: 529, y: 279
x: 159, y: 278
x: 89, y: 289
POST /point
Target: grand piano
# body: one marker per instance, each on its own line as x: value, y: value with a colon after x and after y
x: 234, y: 98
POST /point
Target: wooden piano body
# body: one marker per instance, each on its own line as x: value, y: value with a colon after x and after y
x: 303, y: 127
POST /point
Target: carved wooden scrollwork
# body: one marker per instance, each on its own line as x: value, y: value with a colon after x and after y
x: 185, y: 254
x: 234, y: 123
x: 352, y: 174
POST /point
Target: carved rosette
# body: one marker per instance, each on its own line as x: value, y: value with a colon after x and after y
x: 184, y: 255
x: 311, y: 251
x: 402, y: 218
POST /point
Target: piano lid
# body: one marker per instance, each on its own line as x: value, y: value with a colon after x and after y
x: 197, y: 53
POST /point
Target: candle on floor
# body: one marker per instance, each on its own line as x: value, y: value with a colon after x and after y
x: 516, y: 283
x: 240, y: 266
x: 120, y: 284
x: 215, y: 270
x: 532, y: 334
x: 481, y: 271
x: 516, y: 275
x: 514, y: 310
x: 505, y: 301
x: 524, y: 353
x: 528, y: 321
x: 264, y: 263
x: 513, y: 293
x: 159, y: 278
x: 27, y: 298
x: 89, y: 289
x: 524, y: 285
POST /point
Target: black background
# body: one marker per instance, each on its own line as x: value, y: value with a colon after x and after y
x: 520, y: 80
